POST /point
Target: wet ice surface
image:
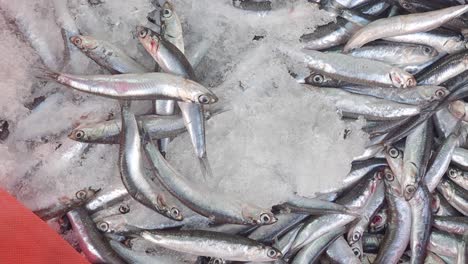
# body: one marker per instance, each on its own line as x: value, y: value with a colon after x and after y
x: 276, y: 139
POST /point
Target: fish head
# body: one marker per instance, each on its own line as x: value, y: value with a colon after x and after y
x: 320, y: 80
x: 357, y: 250
x: 402, y: 79
x: 257, y: 216
x: 378, y: 222
x: 454, y: 173
x: 84, y: 42
x: 446, y: 189
x: 435, y: 93
x: 86, y: 193
x: 392, y: 186
x: 167, y: 11
x: 150, y: 40
x: 90, y: 133
x: 457, y: 108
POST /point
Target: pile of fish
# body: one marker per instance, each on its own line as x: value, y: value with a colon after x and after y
x: 400, y: 65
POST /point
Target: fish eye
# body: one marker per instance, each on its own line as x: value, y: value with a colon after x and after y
x: 356, y: 236
x: 318, y: 78
x: 406, y: 5
x: 123, y: 209
x: 77, y: 41
x: 203, y: 99
x: 81, y: 194
x: 103, y: 226
x: 271, y: 253
x: 389, y: 176
x: 79, y: 134
x: 356, y: 252
x: 393, y: 152
x: 427, y: 50
x: 167, y: 13
x: 440, y: 93
x: 217, y: 261
x: 410, y: 189
x: 142, y: 33
x: 175, y: 212
x: 265, y: 219
x: 452, y: 173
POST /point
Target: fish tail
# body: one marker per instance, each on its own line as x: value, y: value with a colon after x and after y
x: 45, y: 74
x: 205, y: 168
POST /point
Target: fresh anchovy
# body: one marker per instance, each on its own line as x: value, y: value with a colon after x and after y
x: 444, y: 122
x: 145, y: 86
x: 298, y: 204
x: 66, y: 204
x: 397, y: 234
x: 403, y: 24
x: 455, y: 195
x: 460, y: 158
x: 371, y: 242
x: 354, y: 70
x: 107, y: 55
x: 401, y: 54
x: 441, y: 162
x: 458, y: 176
x: 444, y: 244
x: 354, y: 105
x: 329, y: 35
x: 139, y: 185
x: 451, y: 224
x: 171, y: 27
x: 206, y: 202
x: 268, y: 233
x: 441, y: 207
x: 174, y: 61
x: 92, y: 243
x: 339, y: 252
x: 356, y: 231
x: 323, y: 224
x: 311, y: 252
x: 213, y: 244
x: 107, y: 132
x: 417, y: 95
x: 106, y: 199
x: 136, y: 257
x: 334, y: 34
x: 444, y: 69
x: 421, y: 219
x: 171, y: 30
x: 415, y: 158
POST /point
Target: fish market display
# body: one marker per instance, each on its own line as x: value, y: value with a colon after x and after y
x: 391, y: 74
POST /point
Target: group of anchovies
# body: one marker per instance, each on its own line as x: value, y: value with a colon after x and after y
x: 403, y: 67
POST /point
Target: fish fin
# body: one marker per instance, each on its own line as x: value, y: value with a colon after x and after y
x: 205, y: 166
x: 44, y: 73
